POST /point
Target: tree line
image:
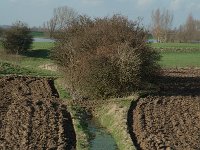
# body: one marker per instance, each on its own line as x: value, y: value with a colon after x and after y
x: 162, y: 31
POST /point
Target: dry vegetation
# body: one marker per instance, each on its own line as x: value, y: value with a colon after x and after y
x: 107, y: 56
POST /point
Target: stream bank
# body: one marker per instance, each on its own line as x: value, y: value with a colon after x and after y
x: 95, y: 121
x: 101, y: 139
x: 89, y: 132
x: 113, y: 117
x: 100, y: 120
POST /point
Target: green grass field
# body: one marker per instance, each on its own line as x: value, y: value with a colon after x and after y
x: 179, y: 54
x: 42, y: 45
x: 176, y: 45
x: 37, y: 34
x: 29, y: 63
x: 180, y: 59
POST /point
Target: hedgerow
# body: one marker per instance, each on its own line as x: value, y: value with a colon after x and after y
x: 105, y: 57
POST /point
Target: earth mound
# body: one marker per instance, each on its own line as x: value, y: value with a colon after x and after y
x: 32, y: 116
x: 170, y: 119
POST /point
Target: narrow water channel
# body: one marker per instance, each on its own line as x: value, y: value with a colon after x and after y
x: 101, y: 140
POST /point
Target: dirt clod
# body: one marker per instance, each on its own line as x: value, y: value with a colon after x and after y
x: 32, y: 116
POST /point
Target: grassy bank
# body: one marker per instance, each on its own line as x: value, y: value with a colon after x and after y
x: 79, y: 117
x: 113, y: 116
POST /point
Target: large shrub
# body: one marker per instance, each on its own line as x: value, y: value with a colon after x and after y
x: 17, y: 39
x: 105, y: 57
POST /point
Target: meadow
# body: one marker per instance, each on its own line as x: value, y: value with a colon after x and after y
x: 38, y: 34
x: 178, y: 54
x: 30, y: 63
x: 180, y: 59
x: 176, y: 45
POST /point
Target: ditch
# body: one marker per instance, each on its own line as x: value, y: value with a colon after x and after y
x: 101, y: 139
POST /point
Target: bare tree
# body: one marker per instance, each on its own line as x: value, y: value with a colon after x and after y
x: 50, y: 27
x: 161, y: 24
x: 156, y: 24
x: 166, y: 24
x: 180, y: 34
x: 190, y: 31
x: 62, y: 16
x: 190, y: 28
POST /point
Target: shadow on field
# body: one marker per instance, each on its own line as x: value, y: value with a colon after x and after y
x: 130, y: 124
x: 38, y: 53
x: 185, y: 82
x: 179, y: 86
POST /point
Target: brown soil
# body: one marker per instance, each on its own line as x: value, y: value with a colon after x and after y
x: 32, y: 116
x: 184, y: 82
x: 171, y: 119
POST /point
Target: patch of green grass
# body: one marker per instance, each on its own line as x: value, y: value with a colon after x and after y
x: 180, y: 59
x: 40, y: 50
x: 63, y: 94
x: 38, y: 53
x: 175, y: 45
x: 7, y: 68
x: 30, y: 62
x: 37, y: 34
x: 80, y: 123
x: 42, y: 45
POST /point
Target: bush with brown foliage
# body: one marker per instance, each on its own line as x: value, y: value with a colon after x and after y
x: 105, y: 57
x: 17, y: 39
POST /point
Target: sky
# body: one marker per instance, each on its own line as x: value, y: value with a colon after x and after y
x: 36, y: 12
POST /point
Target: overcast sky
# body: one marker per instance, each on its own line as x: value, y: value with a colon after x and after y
x: 35, y: 12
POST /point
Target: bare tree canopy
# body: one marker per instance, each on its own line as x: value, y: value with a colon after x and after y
x: 190, y: 31
x: 62, y: 16
x: 190, y: 28
x: 161, y: 24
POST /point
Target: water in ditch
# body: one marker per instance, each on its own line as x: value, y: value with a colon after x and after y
x: 101, y: 139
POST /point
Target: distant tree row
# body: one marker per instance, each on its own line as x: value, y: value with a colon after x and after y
x: 188, y: 32
x: 161, y: 28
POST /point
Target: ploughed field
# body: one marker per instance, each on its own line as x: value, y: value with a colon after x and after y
x: 32, y: 116
x: 170, y: 119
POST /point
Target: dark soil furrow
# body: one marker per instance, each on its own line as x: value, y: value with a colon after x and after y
x: 32, y: 116
x: 170, y: 119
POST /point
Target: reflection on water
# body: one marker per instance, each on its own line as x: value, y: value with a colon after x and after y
x: 101, y: 140
x: 42, y: 40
